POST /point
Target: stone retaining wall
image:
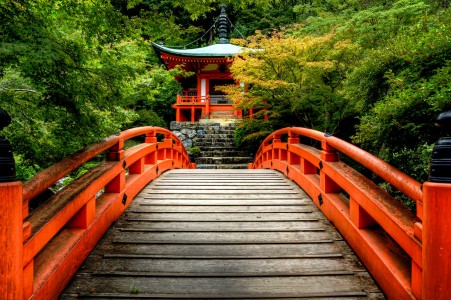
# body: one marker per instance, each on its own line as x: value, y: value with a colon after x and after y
x: 216, y: 144
x: 192, y: 133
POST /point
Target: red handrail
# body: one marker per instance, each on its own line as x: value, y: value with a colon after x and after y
x: 57, y: 236
x: 403, y: 182
x: 398, y: 248
x: 46, y: 178
x: 192, y: 99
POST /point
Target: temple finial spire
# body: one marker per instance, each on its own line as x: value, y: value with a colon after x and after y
x: 223, y: 26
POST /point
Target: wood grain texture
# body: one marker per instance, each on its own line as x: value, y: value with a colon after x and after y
x: 222, y: 234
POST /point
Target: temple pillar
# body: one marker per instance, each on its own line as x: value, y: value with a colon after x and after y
x: 177, y: 115
x: 207, y: 106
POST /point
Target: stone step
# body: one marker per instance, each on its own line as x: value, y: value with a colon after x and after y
x: 222, y: 160
x: 203, y: 141
x: 219, y: 152
x: 217, y: 135
x: 222, y: 166
x: 215, y: 144
x: 202, y: 126
x: 214, y: 132
x: 206, y: 166
x: 232, y: 166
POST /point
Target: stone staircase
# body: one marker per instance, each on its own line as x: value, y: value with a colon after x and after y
x: 216, y: 143
x: 222, y: 115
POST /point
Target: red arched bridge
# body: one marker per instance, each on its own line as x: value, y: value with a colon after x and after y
x: 244, y: 234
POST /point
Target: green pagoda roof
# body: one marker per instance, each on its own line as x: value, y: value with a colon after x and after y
x: 221, y: 49
x: 217, y: 50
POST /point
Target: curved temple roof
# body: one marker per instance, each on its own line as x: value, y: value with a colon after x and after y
x: 217, y: 50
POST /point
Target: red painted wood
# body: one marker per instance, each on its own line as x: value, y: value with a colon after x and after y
x: 436, y: 240
x: 11, y: 239
x: 58, y: 237
x: 85, y: 216
x: 137, y: 167
x: 359, y: 217
x: 425, y: 271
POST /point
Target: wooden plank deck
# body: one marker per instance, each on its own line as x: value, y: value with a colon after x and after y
x: 222, y: 234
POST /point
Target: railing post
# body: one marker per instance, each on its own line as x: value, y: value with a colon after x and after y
x: 328, y: 154
x: 169, y: 143
x: 275, y: 151
x: 11, y: 237
x: 437, y: 219
x: 11, y: 223
x: 436, y: 240
x: 207, y: 106
x: 177, y: 114
x: 192, y: 113
x: 293, y: 159
x: 151, y: 138
x: 293, y: 138
x: 116, y: 153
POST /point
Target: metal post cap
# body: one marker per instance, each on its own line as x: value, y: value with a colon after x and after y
x: 7, y: 163
x: 5, y: 119
x: 441, y: 155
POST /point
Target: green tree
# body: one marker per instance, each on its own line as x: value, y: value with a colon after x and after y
x: 296, y: 80
x: 153, y: 94
x: 66, y: 68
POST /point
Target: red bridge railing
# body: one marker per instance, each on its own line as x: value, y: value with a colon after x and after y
x: 41, y: 250
x: 408, y: 255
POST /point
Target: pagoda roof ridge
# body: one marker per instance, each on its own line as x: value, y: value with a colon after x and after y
x: 216, y: 50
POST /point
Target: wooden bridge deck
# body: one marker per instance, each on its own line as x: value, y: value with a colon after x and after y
x: 222, y: 234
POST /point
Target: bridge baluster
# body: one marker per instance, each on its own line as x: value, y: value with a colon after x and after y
x: 117, y: 151
x: 151, y: 137
x: 436, y: 240
x: 293, y: 159
x: 85, y: 216
x: 11, y: 236
x: 275, y: 150
x: 11, y: 221
x: 359, y: 216
x: 328, y: 154
x: 168, y: 144
x: 436, y: 225
x: 137, y: 167
x: 293, y: 138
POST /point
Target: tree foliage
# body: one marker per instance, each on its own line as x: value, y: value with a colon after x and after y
x: 394, y: 83
x: 297, y: 80
x: 69, y: 75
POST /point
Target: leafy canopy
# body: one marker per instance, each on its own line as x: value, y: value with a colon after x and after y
x: 296, y: 80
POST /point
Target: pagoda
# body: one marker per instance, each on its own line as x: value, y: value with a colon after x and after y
x: 200, y: 98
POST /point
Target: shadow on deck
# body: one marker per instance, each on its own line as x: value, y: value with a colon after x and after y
x: 222, y: 234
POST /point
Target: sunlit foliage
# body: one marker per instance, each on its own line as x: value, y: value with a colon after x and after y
x: 296, y: 80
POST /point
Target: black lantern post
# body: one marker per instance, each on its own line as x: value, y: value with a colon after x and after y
x: 441, y: 155
x: 7, y: 164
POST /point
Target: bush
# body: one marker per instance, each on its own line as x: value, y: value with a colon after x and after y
x: 195, y: 151
x: 249, y: 134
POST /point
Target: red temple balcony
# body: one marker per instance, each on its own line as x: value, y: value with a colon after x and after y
x: 192, y: 108
x: 203, y: 100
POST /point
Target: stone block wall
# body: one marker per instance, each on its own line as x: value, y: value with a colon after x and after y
x: 215, y: 141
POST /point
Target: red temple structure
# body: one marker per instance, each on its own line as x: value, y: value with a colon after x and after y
x: 200, y: 99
